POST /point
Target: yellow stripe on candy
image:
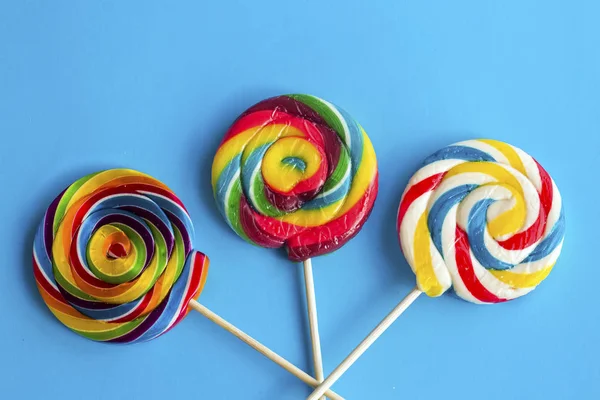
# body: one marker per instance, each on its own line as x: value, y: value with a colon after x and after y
x: 82, y: 323
x: 511, y: 220
x: 426, y: 278
x: 283, y: 177
x: 125, y: 292
x: 509, y: 152
x: 522, y: 281
x: 269, y: 134
x: 166, y: 280
x: 122, y: 293
x: 259, y: 135
x: 54, y: 304
x: 98, y: 249
x: 362, y: 180
x: 112, y: 178
x: 73, y: 318
x: 364, y: 176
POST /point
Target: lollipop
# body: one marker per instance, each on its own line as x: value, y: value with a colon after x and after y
x: 480, y: 216
x: 297, y: 172
x: 113, y: 261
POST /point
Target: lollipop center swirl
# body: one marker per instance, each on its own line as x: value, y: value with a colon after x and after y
x: 290, y: 161
x: 295, y: 162
x: 111, y: 255
x: 118, y: 247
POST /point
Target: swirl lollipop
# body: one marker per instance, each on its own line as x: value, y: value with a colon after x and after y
x: 480, y: 216
x: 113, y: 261
x: 296, y: 172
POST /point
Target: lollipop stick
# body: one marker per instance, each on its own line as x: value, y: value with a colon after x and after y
x: 365, y: 344
x: 262, y: 349
x: 311, y: 304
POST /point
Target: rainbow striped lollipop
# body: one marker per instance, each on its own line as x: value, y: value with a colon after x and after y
x: 297, y: 172
x: 113, y: 257
x: 113, y: 260
x: 480, y: 216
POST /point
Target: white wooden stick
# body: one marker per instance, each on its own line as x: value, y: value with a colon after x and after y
x: 262, y: 349
x: 365, y: 344
x: 311, y: 304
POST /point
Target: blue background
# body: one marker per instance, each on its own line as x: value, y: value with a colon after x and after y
x: 89, y: 85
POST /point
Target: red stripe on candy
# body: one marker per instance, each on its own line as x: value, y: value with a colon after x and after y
x: 45, y: 285
x: 535, y: 232
x: 319, y: 240
x: 270, y: 117
x: 467, y: 273
x: 138, y: 310
x: 417, y: 191
x: 262, y: 230
x: 79, y: 270
x: 199, y: 265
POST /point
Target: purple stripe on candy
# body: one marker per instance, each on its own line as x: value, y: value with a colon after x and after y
x: 287, y: 105
x: 91, y: 305
x: 137, y: 226
x: 49, y: 222
x: 333, y: 145
x: 289, y: 203
x: 144, y: 326
x: 294, y: 107
x: 283, y: 202
x: 158, y: 223
x: 187, y: 243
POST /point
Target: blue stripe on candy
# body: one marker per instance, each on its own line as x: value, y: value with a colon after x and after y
x: 295, y: 162
x: 551, y: 241
x: 111, y: 313
x: 90, y: 224
x: 251, y: 163
x: 173, y: 303
x: 39, y: 247
x: 146, y: 202
x: 175, y: 210
x: 324, y: 201
x: 125, y: 200
x: 440, y: 209
x: 475, y: 230
x: 356, y: 141
x: 460, y: 153
x: 223, y: 183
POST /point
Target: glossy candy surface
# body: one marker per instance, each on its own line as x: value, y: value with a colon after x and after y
x: 113, y: 257
x: 483, y: 217
x: 295, y: 171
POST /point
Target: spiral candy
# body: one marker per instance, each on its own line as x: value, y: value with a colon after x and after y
x: 298, y: 172
x: 113, y: 257
x: 484, y: 217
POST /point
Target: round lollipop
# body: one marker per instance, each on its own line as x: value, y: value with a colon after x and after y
x: 113, y: 261
x: 297, y: 172
x: 480, y: 216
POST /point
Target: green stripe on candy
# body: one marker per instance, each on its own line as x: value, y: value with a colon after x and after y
x: 160, y: 252
x: 136, y: 267
x: 73, y: 290
x: 120, y: 330
x: 232, y: 209
x: 340, y: 170
x: 179, y: 252
x: 61, y: 209
x: 259, y: 199
x: 324, y: 110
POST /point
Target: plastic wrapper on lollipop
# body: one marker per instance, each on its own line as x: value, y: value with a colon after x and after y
x: 297, y: 172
